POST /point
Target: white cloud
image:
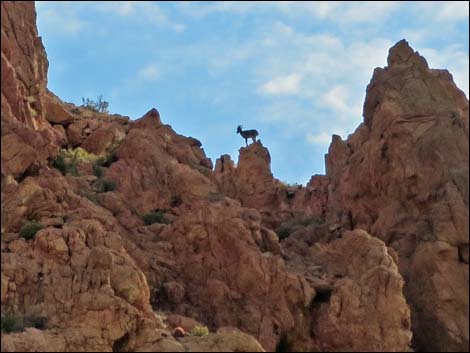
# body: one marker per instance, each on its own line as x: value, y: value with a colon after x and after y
x: 326, y: 90
x: 324, y: 137
x: 442, y: 11
x: 178, y: 27
x: 203, y: 9
x: 453, y: 11
x: 68, y: 15
x: 153, y: 13
x: 149, y: 73
x: 122, y: 8
x: 289, y: 84
x: 367, y: 11
x: 332, y: 11
x: 323, y: 9
x: 337, y: 99
x: 65, y: 19
x: 351, y: 12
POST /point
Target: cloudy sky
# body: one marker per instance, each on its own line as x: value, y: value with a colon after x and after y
x: 295, y: 71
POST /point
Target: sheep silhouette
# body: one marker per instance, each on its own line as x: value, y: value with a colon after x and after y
x: 246, y: 134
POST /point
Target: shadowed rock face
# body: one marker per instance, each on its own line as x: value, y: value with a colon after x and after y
x: 106, y: 280
x: 403, y: 176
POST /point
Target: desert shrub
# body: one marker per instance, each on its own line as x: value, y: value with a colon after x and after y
x: 93, y: 197
x: 290, y: 194
x: 39, y: 322
x: 107, y: 160
x: 99, y: 106
x: 157, y: 216
x: 29, y: 229
x: 283, y: 232
x: 299, y: 222
x: 287, y: 185
x: 11, y: 323
x: 199, y: 331
x: 90, y: 195
x: 72, y: 169
x: 98, y: 171
x: 291, y: 189
x: 60, y: 164
x: 79, y: 155
x: 105, y: 185
x: 66, y: 162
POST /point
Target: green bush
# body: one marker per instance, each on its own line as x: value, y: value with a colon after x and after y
x: 39, y: 322
x: 79, y: 155
x: 66, y: 162
x: 59, y: 163
x: 107, y: 161
x: 72, y: 169
x: 290, y: 194
x: 65, y: 166
x: 293, y: 225
x: 199, y: 331
x: 98, y: 171
x: 283, y: 232
x: 105, y: 185
x: 95, y: 198
x: 29, y: 229
x: 155, y: 217
x: 12, y: 323
x: 100, y: 106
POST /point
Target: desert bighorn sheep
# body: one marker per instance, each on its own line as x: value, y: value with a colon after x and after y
x: 247, y: 134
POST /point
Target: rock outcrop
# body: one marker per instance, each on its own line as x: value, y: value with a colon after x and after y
x: 359, y: 304
x: 138, y: 238
x: 27, y: 137
x: 403, y: 176
x: 252, y: 183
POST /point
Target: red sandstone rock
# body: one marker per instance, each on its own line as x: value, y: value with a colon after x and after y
x: 27, y: 137
x: 366, y: 310
x: 252, y: 182
x: 97, y: 272
x: 403, y: 176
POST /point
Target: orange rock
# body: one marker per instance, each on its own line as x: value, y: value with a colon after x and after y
x: 97, y: 272
x: 403, y: 176
x: 27, y: 137
x: 252, y: 182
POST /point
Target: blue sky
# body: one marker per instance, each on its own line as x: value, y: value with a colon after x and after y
x: 295, y: 71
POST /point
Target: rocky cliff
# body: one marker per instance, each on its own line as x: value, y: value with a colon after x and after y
x: 403, y: 177
x: 117, y: 234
